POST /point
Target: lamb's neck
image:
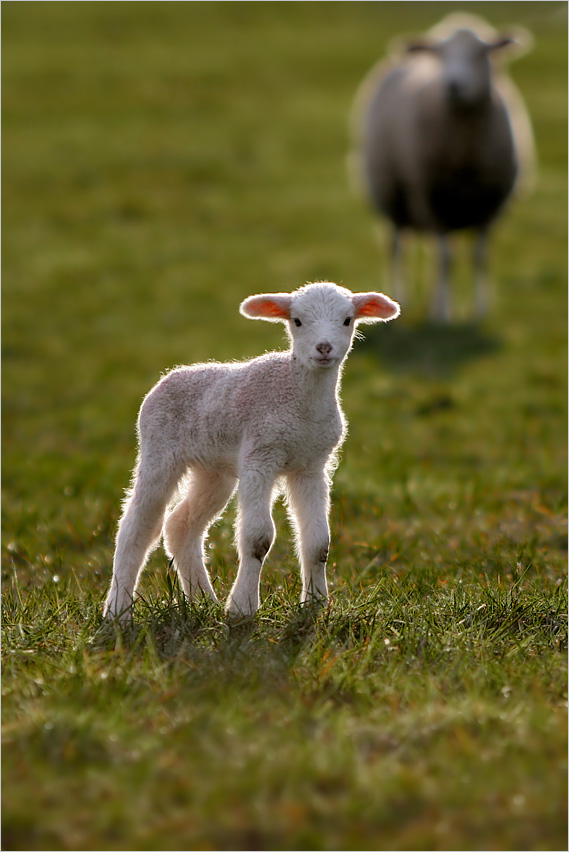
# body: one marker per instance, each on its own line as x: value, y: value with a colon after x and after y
x: 321, y: 383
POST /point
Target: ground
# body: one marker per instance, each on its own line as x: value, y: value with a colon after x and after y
x: 162, y: 161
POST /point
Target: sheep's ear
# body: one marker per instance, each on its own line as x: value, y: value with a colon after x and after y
x: 502, y: 41
x: 517, y: 41
x: 269, y: 306
x: 374, y: 307
x: 418, y: 46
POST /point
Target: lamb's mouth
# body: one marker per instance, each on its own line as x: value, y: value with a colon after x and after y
x: 324, y: 362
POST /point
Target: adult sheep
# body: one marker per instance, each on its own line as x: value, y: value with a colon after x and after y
x: 441, y: 139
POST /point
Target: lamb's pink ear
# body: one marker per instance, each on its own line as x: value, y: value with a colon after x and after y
x: 268, y: 306
x: 374, y: 307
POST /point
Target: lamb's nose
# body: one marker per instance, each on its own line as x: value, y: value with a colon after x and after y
x: 324, y: 348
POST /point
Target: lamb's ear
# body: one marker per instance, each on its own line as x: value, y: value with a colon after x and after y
x: 374, y: 307
x: 268, y: 306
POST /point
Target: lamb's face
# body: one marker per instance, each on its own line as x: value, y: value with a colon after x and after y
x: 321, y: 326
x: 320, y: 319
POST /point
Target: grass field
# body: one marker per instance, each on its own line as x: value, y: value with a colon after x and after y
x: 161, y: 161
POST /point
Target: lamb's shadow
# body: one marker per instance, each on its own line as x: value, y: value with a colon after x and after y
x: 202, y: 634
x: 429, y: 348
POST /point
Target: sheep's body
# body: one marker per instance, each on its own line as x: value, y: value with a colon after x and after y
x: 432, y: 167
x: 269, y: 424
x: 441, y: 141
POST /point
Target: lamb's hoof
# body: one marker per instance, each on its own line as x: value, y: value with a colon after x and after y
x: 239, y: 627
x: 111, y: 632
x: 314, y: 602
x: 122, y: 619
x: 235, y: 617
x: 240, y: 624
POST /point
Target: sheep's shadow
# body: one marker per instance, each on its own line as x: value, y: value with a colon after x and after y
x: 429, y: 348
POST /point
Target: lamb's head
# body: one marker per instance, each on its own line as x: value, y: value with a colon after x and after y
x: 321, y: 319
x: 464, y: 57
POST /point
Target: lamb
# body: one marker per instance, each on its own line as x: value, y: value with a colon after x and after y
x: 441, y: 139
x: 263, y: 426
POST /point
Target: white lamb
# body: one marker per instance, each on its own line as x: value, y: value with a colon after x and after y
x: 267, y: 425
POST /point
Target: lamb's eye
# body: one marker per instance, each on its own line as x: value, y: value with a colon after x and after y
x: 347, y: 321
x: 297, y: 322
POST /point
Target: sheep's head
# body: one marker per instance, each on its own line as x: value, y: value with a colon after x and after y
x: 465, y: 64
x: 321, y: 319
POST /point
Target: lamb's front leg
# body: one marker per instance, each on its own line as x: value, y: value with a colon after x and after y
x: 309, y: 502
x: 255, y: 536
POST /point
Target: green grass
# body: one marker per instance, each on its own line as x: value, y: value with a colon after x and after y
x: 161, y: 161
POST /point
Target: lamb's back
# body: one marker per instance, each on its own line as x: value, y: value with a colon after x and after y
x: 281, y: 416
x: 209, y: 412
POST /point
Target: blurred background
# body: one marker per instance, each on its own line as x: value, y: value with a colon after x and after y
x: 162, y: 161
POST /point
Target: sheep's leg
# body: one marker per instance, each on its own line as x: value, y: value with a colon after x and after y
x: 186, y: 527
x: 480, y: 272
x: 441, y: 306
x: 139, y: 532
x: 309, y: 503
x: 255, y: 536
x: 397, y: 277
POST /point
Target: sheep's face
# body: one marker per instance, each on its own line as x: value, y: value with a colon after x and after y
x: 321, y: 319
x: 466, y: 69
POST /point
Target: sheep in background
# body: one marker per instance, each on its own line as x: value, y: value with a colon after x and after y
x: 440, y: 139
x: 273, y: 423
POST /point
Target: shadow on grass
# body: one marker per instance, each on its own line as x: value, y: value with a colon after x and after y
x: 421, y: 621
x: 429, y: 348
x: 200, y: 630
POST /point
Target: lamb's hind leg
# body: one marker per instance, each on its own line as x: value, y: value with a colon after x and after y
x: 185, y: 529
x: 139, y: 531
